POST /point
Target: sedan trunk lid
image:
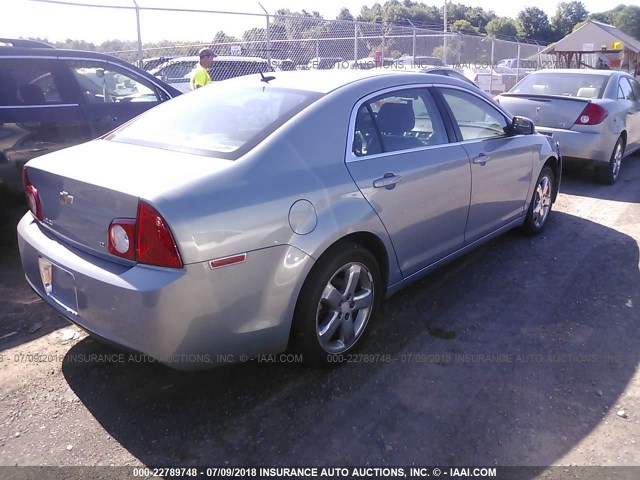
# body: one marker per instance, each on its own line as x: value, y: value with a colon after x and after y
x: 552, y: 111
x: 82, y: 189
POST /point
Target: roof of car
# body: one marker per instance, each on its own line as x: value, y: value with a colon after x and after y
x: 325, y: 81
x: 577, y: 71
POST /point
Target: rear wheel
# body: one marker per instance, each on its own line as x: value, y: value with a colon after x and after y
x: 338, y: 302
x: 541, y: 202
x: 608, y: 174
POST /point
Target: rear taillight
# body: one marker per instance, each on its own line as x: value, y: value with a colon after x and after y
x: 122, y: 238
x: 33, y: 199
x: 592, y: 114
x: 155, y: 243
x: 146, y: 239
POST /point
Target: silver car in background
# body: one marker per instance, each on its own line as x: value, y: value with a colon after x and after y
x: 273, y: 212
x: 593, y: 114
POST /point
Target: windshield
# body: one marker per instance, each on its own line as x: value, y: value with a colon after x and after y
x: 568, y: 85
x: 223, y: 121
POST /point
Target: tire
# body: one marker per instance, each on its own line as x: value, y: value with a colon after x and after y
x: 339, y: 300
x: 609, y: 173
x: 541, y: 203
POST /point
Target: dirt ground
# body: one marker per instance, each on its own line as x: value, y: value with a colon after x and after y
x: 524, y: 352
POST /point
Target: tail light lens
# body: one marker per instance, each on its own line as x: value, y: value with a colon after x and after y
x: 155, y: 243
x: 592, y: 114
x: 146, y: 239
x: 33, y: 198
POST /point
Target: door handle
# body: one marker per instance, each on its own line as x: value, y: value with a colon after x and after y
x: 481, y: 159
x: 388, y: 181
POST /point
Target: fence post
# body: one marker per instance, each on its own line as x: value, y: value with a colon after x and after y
x: 139, y: 34
x: 355, y: 41
x: 518, y: 64
x: 459, y: 48
x: 491, y: 66
x: 413, y: 51
x: 268, y: 33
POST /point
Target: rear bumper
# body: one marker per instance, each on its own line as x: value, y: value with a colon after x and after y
x: 188, y: 319
x: 582, y: 146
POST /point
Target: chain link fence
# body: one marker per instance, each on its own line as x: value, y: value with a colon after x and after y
x: 287, y: 42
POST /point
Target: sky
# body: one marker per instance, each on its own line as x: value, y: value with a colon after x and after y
x: 57, y: 22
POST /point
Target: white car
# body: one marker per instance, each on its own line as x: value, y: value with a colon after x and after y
x: 488, y: 80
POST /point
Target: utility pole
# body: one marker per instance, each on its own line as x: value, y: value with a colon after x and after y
x: 444, y: 29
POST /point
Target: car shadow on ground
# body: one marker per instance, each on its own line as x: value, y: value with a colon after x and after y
x: 511, y: 355
x: 580, y: 181
x: 24, y: 316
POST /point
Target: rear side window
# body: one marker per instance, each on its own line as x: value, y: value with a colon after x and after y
x: 29, y: 81
x: 625, y: 92
x: 225, y: 121
x: 398, y: 121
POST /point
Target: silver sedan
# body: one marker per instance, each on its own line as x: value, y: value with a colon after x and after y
x: 266, y: 213
x: 593, y: 114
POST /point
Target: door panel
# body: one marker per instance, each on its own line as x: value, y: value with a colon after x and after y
x: 38, y: 113
x: 501, y: 164
x: 418, y: 183
x: 633, y: 113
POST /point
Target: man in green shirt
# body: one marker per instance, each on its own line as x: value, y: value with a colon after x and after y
x: 200, y: 77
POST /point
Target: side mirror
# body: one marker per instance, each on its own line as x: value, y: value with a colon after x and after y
x: 522, y: 126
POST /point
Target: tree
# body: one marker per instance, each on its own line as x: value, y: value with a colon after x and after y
x: 345, y: 14
x: 568, y: 14
x: 463, y: 26
x: 502, y: 27
x: 533, y: 24
x: 628, y: 20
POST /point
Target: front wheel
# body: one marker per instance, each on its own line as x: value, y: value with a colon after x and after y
x: 338, y: 301
x: 608, y: 174
x: 541, y: 202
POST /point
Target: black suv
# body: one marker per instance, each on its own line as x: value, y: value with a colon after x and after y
x: 53, y: 98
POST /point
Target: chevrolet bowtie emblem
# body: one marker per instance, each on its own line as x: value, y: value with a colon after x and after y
x: 65, y: 198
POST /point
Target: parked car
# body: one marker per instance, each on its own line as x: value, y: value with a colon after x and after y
x: 365, y: 64
x: 152, y: 62
x: 410, y: 62
x: 510, y: 76
x: 449, y: 72
x: 177, y: 72
x: 522, y: 64
x: 323, y: 63
x: 487, y: 79
x: 51, y: 99
x: 593, y: 114
x: 257, y: 215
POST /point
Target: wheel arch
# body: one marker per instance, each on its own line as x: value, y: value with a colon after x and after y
x: 556, y: 167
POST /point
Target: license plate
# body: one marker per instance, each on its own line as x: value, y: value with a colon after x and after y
x: 59, y: 285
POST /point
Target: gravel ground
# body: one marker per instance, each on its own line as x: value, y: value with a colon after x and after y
x: 524, y: 352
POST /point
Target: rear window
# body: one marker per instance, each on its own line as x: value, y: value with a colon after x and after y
x: 578, y: 85
x: 217, y: 120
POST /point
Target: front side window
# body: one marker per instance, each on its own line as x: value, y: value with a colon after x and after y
x: 102, y: 82
x: 398, y: 121
x: 26, y: 81
x: 475, y: 118
x: 225, y: 121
